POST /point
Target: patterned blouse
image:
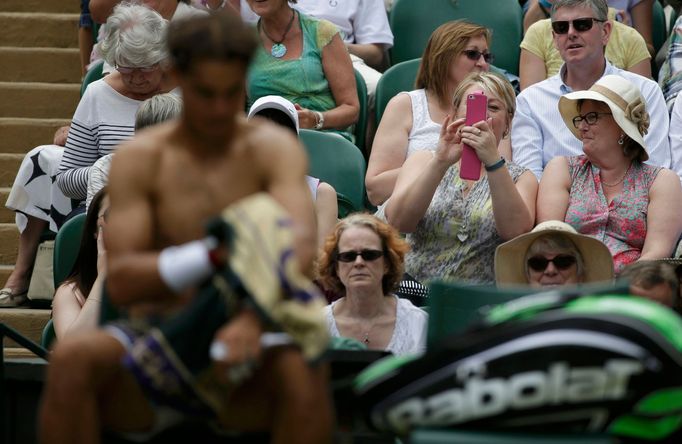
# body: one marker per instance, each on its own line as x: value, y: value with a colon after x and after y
x: 457, y: 237
x: 621, y: 224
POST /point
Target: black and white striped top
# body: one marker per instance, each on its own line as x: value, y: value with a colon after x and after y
x: 104, y: 118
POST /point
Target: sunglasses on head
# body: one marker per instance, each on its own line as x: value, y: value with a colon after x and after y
x: 366, y: 255
x: 580, y: 25
x: 560, y: 261
x: 475, y: 54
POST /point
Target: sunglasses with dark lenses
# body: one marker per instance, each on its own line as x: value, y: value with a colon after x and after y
x: 590, y: 118
x: 366, y: 255
x: 475, y: 54
x: 580, y: 24
x: 561, y: 261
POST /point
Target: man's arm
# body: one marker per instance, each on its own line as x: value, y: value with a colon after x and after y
x: 372, y: 53
x: 526, y: 137
x: 132, y: 267
x: 285, y: 164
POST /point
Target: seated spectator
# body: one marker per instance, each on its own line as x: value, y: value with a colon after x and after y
x: 134, y: 45
x: 363, y: 260
x: 675, y: 134
x: 538, y: 131
x: 454, y: 225
x: 305, y: 61
x: 540, y: 59
x: 364, y: 29
x: 655, y: 280
x: 283, y: 112
x: 152, y: 111
x: 412, y: 120
x: 77, y: 301
x: 635, y: 13
x: 608, y: 192
x: 552, y: 255
x: 104, y: 118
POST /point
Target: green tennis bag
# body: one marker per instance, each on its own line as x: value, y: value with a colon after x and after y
x: 542, y: 363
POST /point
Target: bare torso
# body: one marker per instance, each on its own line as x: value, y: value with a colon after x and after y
x: 165, y: 188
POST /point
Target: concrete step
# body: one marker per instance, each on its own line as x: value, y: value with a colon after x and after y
x: 39, y: 100
x: 51, y: 65
x: 27, y: 321
x: 9, y: 243
x: 6, y: 215
x: 21, y: 135
x: 38, y: 29
x: 69, y: 6
x: 5, y: 271
x: 9, y: 165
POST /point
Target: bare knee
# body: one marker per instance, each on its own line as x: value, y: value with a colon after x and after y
x: 79, y: 362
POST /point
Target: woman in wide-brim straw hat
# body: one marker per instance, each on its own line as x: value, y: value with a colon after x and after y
x: 551, y: 255
x: 609, y: 192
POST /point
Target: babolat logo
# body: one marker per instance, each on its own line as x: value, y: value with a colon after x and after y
x: 479, y: 397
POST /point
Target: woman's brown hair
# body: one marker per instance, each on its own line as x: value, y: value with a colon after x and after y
x: 445, y: 43
x: 393, y: 245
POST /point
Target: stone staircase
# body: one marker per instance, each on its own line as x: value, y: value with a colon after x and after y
x: 39, y: 91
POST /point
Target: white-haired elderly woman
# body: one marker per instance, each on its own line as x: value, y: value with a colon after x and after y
x: 609, y: 192
x: 135, y: 46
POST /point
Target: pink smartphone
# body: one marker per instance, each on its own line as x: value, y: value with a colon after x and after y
x: 477, y: 110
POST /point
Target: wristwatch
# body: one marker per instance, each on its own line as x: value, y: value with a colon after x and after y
x: 320, y: 120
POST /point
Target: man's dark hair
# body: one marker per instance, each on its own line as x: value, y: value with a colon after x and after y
x: 279, y: 117
x: 220, y: 36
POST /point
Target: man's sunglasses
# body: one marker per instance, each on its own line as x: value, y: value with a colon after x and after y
x: 580, y: 24
x: 366, y: 255
x: 474, y: 54
x: 560, y: 261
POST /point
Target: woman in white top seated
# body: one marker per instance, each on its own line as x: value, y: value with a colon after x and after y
x: 412, y: 120
x: 363, y: 260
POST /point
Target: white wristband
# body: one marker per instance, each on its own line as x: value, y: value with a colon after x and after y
x: 185, y: 265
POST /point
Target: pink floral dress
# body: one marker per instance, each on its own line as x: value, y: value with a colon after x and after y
x: 621, y: 224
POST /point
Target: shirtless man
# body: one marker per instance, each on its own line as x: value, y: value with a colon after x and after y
x: 164, y: 185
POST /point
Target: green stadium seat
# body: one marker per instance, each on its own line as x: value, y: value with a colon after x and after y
x: 399, y: 77
x: 94, y: 73
x: 361, y: 125
x: 413, y: 22
x: 66, y: 247
x: 338, y: 162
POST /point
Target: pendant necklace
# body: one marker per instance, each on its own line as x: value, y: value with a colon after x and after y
x: 278, y: 49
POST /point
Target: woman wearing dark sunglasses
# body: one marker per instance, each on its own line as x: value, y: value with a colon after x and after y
x: 552, y: 255
x: 412, y: 120
x: 363, y: 260
x: 609, y: 192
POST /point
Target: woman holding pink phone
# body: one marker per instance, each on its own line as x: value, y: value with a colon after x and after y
x: 455, y: 224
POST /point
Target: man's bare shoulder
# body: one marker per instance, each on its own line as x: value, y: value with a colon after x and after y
x: 146, y: 147
x: 270, y: 140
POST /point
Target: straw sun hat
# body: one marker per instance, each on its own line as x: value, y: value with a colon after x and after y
x: 624, y: 99
x: 510, y: 264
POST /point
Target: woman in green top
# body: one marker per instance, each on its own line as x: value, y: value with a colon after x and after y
x: 305, y: 61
